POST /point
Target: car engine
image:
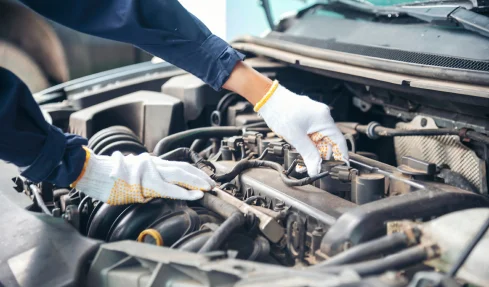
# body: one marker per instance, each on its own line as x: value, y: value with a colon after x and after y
x: 400, y: 213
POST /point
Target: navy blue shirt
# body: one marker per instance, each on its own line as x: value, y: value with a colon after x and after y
x: 161, y: 27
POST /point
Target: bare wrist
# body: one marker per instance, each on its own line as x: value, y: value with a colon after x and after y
x: 247, y: 82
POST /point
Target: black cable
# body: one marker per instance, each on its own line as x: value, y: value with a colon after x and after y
x: 181, y: 138
x: 397, y: 261
x: 376, y: 247
x: 250, y: 199
x: 263, y: 154
x: 291, y: 168
x: 468, y: 249
x: 185, y: 154
x: 247, y: 164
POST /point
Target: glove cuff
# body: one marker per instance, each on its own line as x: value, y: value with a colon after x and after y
x: 95, y: 180
x: 84, y: 169
x: 267, y: 96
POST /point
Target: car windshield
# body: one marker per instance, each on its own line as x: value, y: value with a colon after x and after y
x: 279, y: 8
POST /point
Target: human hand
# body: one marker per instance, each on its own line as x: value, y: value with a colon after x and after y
x: 119, y: 179
x: 304, y: 123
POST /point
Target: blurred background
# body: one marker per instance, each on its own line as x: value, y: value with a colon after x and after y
x: 43, y: 53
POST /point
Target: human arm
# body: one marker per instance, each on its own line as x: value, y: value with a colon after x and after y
x: 165, y: 29
x: 44, y: 153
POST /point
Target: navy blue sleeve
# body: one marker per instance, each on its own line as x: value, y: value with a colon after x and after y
x: 27, y: 140
x: 163, y: 28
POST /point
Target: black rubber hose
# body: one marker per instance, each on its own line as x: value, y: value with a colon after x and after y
x: 112, y: 139
x: 261, y: 249
x: 107, y: 132
x: 222, y: 233
x: 247, y: 164
x: 185, y: 154
x: 124, y: 147
x: 398, y: 261
x: 380, y: 246
x: 219, y: 114
x: 235, y: 219
x: 168, y: 142
x: 86, y: 200
x: 197, y: 145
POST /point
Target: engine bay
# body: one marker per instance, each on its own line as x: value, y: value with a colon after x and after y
x: 399, y: 213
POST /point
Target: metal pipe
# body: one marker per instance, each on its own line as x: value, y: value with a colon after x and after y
x: 374, y: 166
x: 268, y: 225
x: 374, y: 130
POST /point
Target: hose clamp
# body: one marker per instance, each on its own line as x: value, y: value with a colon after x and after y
x: 371, y: 130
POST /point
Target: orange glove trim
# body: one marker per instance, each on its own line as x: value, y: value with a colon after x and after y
x: 267, y: 96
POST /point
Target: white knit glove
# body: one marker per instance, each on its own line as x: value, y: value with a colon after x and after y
x: 120, y: 179
x: 304, y: 123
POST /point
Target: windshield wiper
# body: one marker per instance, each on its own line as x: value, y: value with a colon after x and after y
x: 441, y: 13
x: 458, y: 16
